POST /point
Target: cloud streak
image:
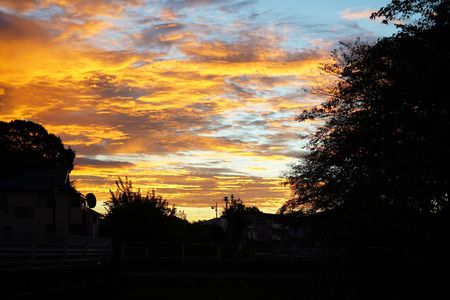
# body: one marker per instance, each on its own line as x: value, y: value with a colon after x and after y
x: 349, y: 14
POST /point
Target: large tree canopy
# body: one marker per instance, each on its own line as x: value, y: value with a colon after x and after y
x: 28, y: 144
x: 382, y: 145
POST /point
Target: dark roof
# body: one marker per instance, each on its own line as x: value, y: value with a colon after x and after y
x: 36, y: 179
x: 94, y: 213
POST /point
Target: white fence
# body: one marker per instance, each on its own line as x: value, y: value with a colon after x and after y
x: 140, y: 252
x: 52, y: 251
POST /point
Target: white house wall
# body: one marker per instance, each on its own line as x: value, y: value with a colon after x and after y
x: 43, y: 215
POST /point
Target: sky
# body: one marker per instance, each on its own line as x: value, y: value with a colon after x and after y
x: 195, y: 99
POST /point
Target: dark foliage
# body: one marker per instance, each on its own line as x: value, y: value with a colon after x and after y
x: 380, y: 159
x: 28, y: 144
x: 237, y: 206
x: 236, y: 213
x: 133, y: 217
x: 383, y: 143
x: 417, y: 14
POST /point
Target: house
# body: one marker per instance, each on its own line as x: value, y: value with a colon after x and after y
x: 266, y: 227
x: 220, y: 222
x: 42, y: 201
x: 259, y: 227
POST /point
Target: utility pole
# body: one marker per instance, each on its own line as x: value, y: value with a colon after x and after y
x: 226, y: 202
x: 215, y: 207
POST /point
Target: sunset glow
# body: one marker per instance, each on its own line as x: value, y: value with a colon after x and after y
x: 193, y: 98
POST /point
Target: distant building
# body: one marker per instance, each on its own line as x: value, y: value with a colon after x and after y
x: 220, y: 222
x: 42, y: 201
x: 260, y: 227
x: 265, y: 227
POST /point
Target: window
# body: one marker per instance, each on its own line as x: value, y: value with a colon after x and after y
x: 24, y: 212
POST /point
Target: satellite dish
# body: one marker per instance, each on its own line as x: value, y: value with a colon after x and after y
x: 91, y: 200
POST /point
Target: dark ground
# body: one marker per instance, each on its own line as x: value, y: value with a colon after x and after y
x: 231, y: 281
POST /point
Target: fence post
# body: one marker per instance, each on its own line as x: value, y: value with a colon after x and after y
x: 63, y: 260
x: 86, y: 252
x: 146, y: 252
x: 33, y: 253
x: 105, y: 252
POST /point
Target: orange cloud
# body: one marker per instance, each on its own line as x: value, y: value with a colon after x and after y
x: 73, y: 7
x: 84, y: 30
x: 168, y: 14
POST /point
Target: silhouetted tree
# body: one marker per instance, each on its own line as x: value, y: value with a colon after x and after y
x: 237, y: 206
x: 28, y: 144
x: 381, y: 151
x: 124, y: 196
x: 236, y: 213
x: 133, y: 216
